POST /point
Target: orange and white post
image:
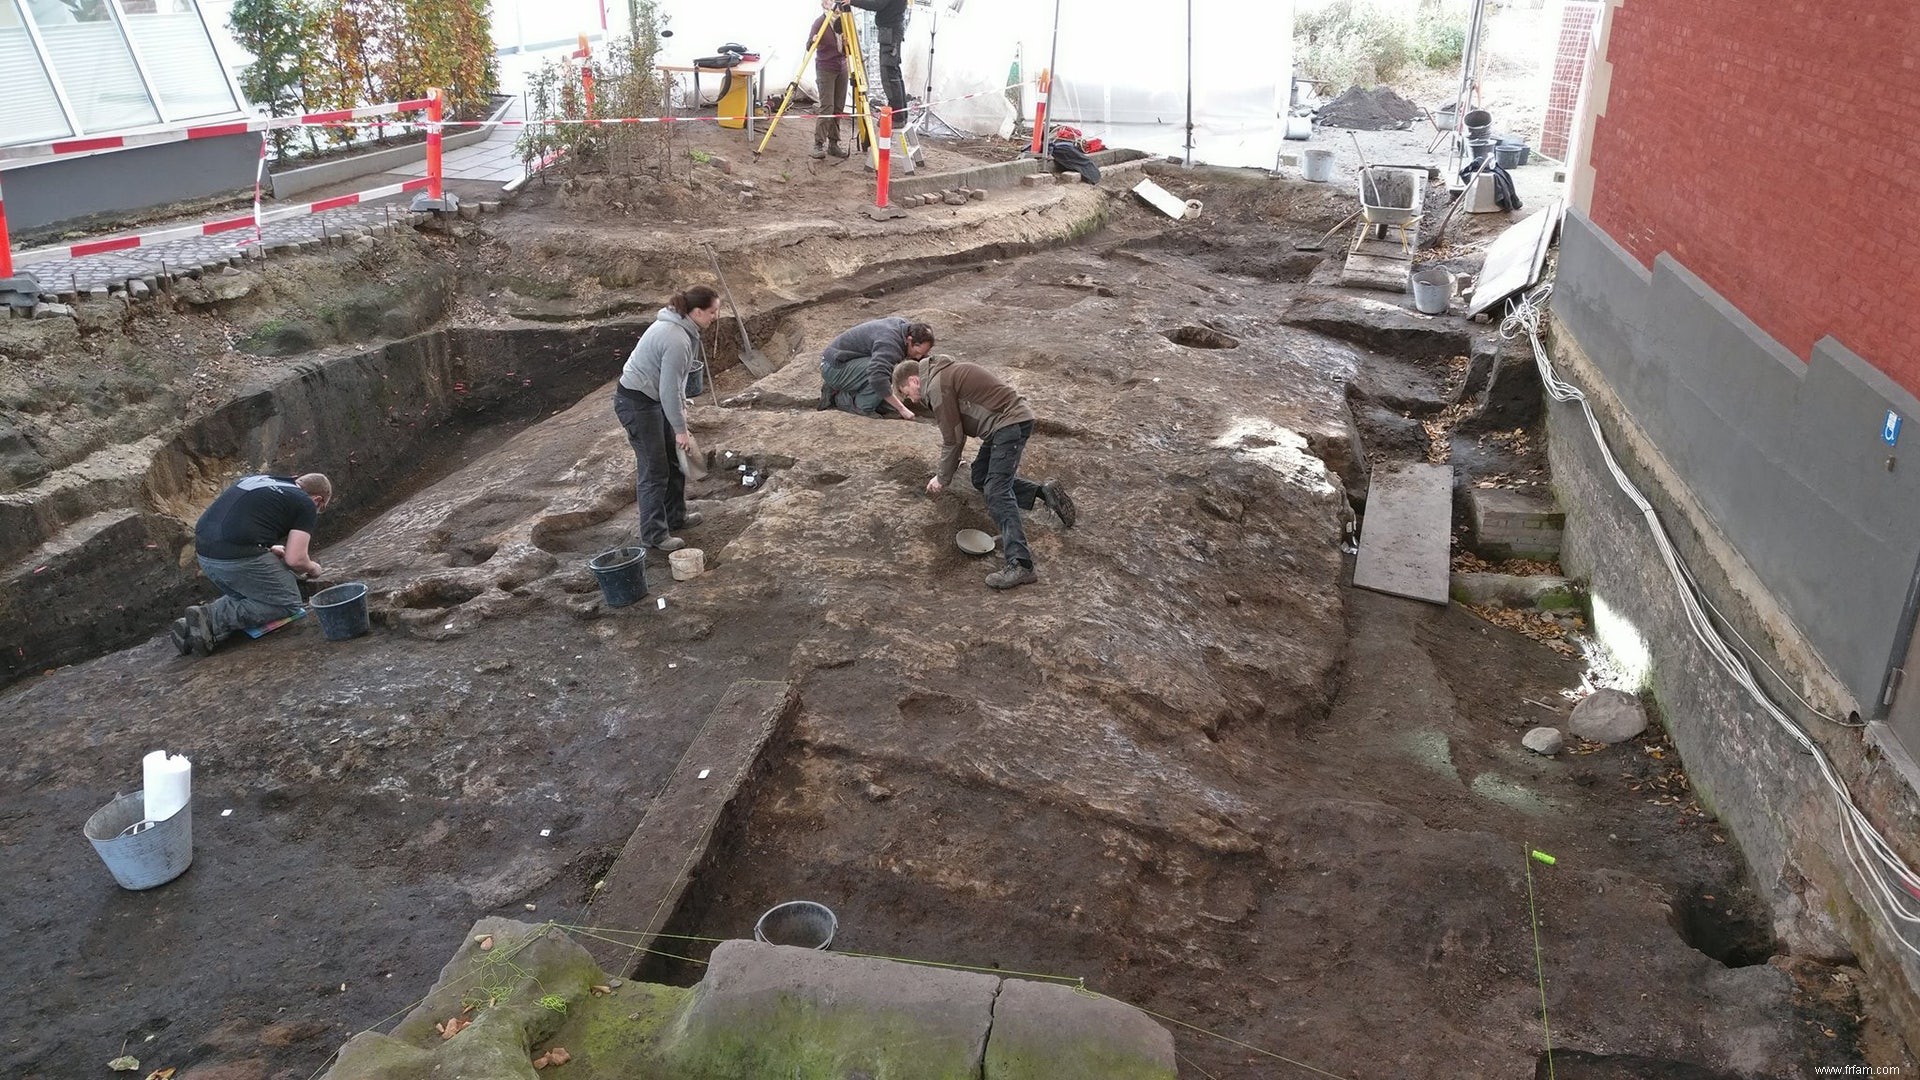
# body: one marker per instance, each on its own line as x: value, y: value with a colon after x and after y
x: 6, y: 245
x: 885, y: 168
x: 433, y: 143
x: 1045, y: 83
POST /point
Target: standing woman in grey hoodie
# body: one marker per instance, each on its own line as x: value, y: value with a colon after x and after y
x: 651, y: 402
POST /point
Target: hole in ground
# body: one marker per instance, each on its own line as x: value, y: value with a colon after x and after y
x: 436, y: 593
x: 1201, y: 337
x: 1725, y: 924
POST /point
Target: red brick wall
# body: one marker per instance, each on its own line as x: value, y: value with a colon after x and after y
x: 1770, y: 148
x: 1578, y: 20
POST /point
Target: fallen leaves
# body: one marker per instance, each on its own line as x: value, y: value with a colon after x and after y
x: 555, y: 1055
x: 161, y: 1074
x: 448, y: 1029
x: 124, y: 1063
x: 600, y: 990
x: 1537, y: 625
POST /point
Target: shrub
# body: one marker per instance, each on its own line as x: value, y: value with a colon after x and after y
x: 626, y: 83
x: 341, y: 54
x: 1440, y: 35
x: 1351, y: 43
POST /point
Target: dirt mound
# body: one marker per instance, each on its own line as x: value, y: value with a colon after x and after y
x: 1378, y: 109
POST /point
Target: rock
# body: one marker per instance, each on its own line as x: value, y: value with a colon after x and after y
x: 1515, y: 591
x: 362, y: 244
x: 954, y: 198
x: 217, y: 288
x: 1379, y: 325
x: 1608, y: 716
x: 936, y: 1021
x: 1037, y: 180
x: 976, y: 194
x: 53, y: 311
x: 1046, y: 1031
x: 1544, y: 740
x: 138, y: 289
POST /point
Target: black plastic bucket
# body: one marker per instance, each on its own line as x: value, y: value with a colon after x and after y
x: 1479, y: 122
x: 1509, y: 155
x: 1479, y: 148
x: 342, y: 610
x: 622, y: 573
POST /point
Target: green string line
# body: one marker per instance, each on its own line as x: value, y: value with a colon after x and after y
x: 1539, y: 965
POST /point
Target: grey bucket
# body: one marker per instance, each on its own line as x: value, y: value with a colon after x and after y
x: 1432, y: 290
x: 1509, y: 155
x: 802, y: 923
x: 141, y: 858
x: 342, y: 610
x: 1316, y: 165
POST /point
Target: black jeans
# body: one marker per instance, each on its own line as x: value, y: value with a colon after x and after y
x: 994, y: 467
x: 661, y: 488
x: 890, y: 78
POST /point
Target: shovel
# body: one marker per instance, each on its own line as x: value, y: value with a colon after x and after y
x: 1321, y: 244
x: 756, y: 364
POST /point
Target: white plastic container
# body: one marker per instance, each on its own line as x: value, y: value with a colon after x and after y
x: 1316, y: 165
x: 687, y: 563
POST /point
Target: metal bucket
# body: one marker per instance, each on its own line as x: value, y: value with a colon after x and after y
x: 800, y: 923
x: 1432, y: 290
x: 1316, y: 165
x: 140, y: 853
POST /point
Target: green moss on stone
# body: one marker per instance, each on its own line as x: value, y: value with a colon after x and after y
x: 621, y: 1034
x: 797, y: 1040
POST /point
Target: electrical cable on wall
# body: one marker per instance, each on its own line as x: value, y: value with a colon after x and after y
x: 1892, y: 885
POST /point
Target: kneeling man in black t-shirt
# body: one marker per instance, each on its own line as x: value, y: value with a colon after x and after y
x: 251, y: 542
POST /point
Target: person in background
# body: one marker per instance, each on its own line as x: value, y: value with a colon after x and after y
x: 968, y: 400
x: 890, y: 25
x: 856, y: 370
x: 830, y: 73
x: 651, y: 403
x: 251, y: 542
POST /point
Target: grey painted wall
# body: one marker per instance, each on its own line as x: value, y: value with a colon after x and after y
x: 138, y: 179
x: 1786, y: 457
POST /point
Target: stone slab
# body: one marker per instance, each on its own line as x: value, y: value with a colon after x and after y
x: 652, y: 872
x: 1049, y: 1031
x: 760, y: 1007
x: 1408, y: 529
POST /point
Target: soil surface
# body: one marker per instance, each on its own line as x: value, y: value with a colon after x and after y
x: 1190, y: 764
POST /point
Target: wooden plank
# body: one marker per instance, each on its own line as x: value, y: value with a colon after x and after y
x: 1405, y: 540
x: 652, y: 873
x: 1515, y: 258
x: 1374, y: 272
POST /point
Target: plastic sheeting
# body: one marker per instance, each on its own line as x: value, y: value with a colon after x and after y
x: 1122, y: 70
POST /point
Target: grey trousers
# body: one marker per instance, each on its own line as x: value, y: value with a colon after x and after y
x: 256, y: 592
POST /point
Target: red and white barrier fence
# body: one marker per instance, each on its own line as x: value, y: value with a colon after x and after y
x: 432, y: 183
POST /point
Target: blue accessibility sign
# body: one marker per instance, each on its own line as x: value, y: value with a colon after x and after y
x: 1890, y: 431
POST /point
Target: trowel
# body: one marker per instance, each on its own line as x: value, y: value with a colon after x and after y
x: 757, y: 365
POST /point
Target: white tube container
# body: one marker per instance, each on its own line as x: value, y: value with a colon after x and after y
x: 169, y: 784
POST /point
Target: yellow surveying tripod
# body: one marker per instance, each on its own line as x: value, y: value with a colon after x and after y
x: 856, y: 70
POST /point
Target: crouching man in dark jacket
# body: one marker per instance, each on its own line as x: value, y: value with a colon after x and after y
x: 856, y: 370
x: 967, y: 400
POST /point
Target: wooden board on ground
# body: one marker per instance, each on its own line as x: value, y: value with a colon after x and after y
x: 644, y: 887
x: 1365, y: 271
x: 1405, y: 540
x: 1515, y: 258
x: 1161, y: 199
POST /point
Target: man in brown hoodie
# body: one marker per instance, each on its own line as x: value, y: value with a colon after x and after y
x: 967, y: 400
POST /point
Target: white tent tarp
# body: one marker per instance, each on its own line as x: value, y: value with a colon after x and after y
x: 1123, y: 70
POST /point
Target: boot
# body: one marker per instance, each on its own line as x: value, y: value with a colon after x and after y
x: 200, y: 631
x: 670, y: 545
x: 182, y: 637
x: 836, y: 150
x: 1059, y: 502
x: 819, y: 151
x: 1011, y: 576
